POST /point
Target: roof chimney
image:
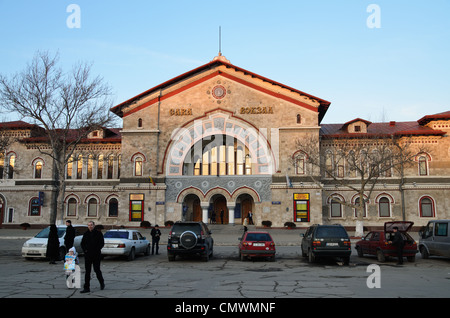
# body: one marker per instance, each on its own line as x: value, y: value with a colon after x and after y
x: 392, y: 123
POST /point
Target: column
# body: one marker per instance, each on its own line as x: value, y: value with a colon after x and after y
x: 205, y: 212
x: 230, y: 214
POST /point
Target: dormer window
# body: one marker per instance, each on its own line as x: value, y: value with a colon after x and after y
x: 96, y: 134
x: 357, y: 128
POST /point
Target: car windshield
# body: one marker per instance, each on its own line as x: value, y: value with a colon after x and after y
x: 258, y: 237
x: 331, y: 231
x: 44, y: 233
x: 116, y: 234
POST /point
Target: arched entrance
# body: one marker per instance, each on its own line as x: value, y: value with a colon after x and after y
x: 219, y: 208
x: 246, y: 205
x: 192, y: 210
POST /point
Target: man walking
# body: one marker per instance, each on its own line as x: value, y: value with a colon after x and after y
x: 70, y: 235
x: 92, y: 243
x: 156, y: 235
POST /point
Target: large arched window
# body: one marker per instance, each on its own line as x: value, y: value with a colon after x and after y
x: 72, y: 207
x: 11, y: 164
x: 384, y: 207
x: 219, y: 156
x: 37, y: 169
x: 113, y: 207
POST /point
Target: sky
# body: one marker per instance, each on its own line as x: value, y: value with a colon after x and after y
x: 376, y: 60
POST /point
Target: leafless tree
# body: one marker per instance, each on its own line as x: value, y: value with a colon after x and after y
x: 356, y: 164
x: 67, y: 105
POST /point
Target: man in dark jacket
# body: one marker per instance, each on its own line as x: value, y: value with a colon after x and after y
x: 92, y: 244
x: 156, y: 235
x: 70, y: 235
x: 398, y: 242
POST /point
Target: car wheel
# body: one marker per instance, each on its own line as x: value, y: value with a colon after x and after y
x: 380, y: 256
x: 311, y: 257
x: 171, y: 257
x: 359, y: 250
x: 205, y: 256
x: 424, y: 252
x: 346, y: 260
x: 132, y: 255
x: 188, y: 240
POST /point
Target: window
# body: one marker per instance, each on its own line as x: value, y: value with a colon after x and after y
x: 38, y: 169
x: 69, y: 168
x: 100, y: 167
x: 441, y: 229
x: 384, y: 207
x: 138, y: 166
x: 300, y: 165
x: 79, y: 165
x: 2, y: 165
x: 92, y: 207
x: 90, y: 166
x: 140, y: 123
x: 72, y: 207
x: 11, y: 163
x: 113, y: 208
x: 119, y: 163
x: 423, y: 166
x: 110, y: 167
x: 336, y: 209
x: 34, y: 208
x: 357, y: 128
x: 299, y: 119
x: 426, y: 207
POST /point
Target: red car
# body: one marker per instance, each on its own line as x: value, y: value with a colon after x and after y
x: 378, y: 242
x: 256, y: 244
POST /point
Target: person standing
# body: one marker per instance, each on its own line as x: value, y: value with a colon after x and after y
x: 398, y: 242
x: 70, y: 235
x: 250, y: 217
x: 53, y: 244
x: 92, y: 244
x: 221, y: 215
x: 156, y: 235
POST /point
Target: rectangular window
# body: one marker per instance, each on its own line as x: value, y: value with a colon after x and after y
x: 441, y: 229
x: 136, y: 207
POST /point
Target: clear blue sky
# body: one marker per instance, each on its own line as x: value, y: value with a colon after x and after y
x: 400, y: 71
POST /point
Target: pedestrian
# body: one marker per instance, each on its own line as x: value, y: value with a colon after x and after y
x: 250, y: 217
x: 245, y: 224
x: 53, y: 244
x: 70, y: 235
x: 398, y: 242
x: 213, y: 217
x: 221, y: 215
x: 92, y: 244
x: 156, y: 235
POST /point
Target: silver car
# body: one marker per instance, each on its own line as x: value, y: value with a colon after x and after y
x: 126, y: 243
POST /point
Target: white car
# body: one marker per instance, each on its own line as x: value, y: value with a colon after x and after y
x: 37, y: 246
x: 125, y: 243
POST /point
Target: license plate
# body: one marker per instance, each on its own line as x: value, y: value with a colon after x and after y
x: 175, y: 245
x: 332, y: 244
x: 259, y: 244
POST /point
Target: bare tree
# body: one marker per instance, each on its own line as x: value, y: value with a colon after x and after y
x: 68, y: 106
x: 355, y: 164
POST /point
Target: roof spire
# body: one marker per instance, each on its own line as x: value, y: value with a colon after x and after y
x: 220, y: 57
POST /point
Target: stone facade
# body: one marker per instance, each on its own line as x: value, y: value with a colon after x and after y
x: 218, y: 138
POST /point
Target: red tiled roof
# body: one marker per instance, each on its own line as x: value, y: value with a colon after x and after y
x: 426, y: 119
x: 377, y: 129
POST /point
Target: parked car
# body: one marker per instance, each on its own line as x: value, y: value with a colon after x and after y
x: 378, y: 242
x: 126, y: 243
x: 434, y: 239
x: 256, y: 244
x: 37, y: 246
x: 190, y: 238
x: 326, y: 241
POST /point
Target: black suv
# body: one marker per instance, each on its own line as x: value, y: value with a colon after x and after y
x: 326, y: 241
x: 190, y: 238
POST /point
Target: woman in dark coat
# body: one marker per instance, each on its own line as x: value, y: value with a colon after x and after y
x: 53, y: 244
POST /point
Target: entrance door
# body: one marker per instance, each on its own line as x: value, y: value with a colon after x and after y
x: 220, y: 204
x: 197, y: 210
x: 246, y: 207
